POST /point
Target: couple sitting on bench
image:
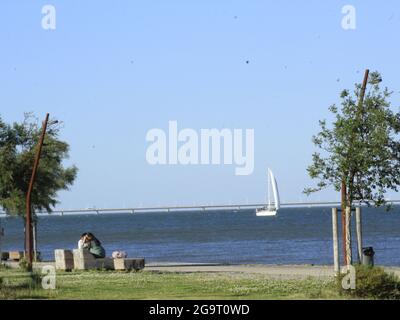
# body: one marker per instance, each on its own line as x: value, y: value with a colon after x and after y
x: 91, y: 255
x: 90, y: 242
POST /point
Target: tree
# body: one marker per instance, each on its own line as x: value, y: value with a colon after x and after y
x: 17, y: 153
x: 360, y: 151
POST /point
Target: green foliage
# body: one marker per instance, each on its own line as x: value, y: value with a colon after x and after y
x: 18, y: 144
x: 373, y: 283
x: 23, y: 264
x: 361, y: 147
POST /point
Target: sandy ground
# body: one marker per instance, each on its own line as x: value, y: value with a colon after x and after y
x: 273, y: 271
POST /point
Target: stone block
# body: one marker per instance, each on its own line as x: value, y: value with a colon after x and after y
x: 105, y: 263
x: 15, y: 255
x: 129, y: 264
x: 64, y: 259
x: 83, y: 259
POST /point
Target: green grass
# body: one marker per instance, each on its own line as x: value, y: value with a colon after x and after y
x: 151, y: 285
x: 18, y: 284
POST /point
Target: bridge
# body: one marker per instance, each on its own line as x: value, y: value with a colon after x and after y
x: 237, y: 207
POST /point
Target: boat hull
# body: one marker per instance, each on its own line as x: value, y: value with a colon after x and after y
x: 266, y: 213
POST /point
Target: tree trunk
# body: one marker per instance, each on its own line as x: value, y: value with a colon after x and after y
x: 348, y: 236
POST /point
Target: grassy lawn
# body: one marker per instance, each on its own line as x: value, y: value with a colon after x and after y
x: 16, y: 284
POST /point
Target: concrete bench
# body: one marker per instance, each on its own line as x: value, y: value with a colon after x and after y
x: 16, y: 255
x: 129, y: 264
x: 81, y: 259
x: 84, y: 260
x: 64, y: 260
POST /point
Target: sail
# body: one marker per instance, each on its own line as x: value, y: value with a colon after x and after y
x: 272, y: 206
x: 275, y: 190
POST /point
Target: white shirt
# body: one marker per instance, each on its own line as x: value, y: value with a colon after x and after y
x: 80, y: 244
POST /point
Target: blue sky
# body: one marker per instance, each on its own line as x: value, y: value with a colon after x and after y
x: 114, y: 70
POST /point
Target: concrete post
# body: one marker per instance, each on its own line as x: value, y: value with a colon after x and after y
x: 348, y: 237
x: 335, y: 241
x: 359, y: 233
x: 34, y: 235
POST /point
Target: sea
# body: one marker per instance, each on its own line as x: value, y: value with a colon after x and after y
x: 294, y: 236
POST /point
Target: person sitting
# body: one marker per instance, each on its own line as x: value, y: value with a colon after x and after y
x: 81, y: 242
x: 94, y: 246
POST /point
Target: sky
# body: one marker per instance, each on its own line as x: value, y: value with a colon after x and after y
x: 113, y: 70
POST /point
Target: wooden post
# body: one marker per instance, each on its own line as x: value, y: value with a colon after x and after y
x: 348, y: 237
x: 359, y: 233
x: 335, y: 241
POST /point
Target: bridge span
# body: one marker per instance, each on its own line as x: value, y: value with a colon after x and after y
x: 235, y: 207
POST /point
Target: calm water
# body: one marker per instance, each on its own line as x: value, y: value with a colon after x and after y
x: 295, y: 236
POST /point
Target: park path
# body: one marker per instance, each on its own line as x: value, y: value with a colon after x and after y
x: 273, y: 271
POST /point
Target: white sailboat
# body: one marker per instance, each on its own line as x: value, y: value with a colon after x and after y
x: 271, y: 209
